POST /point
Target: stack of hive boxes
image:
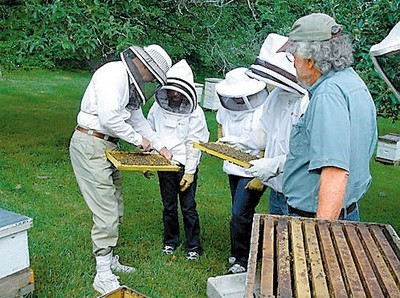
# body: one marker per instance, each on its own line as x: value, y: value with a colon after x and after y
x: 16, y: 278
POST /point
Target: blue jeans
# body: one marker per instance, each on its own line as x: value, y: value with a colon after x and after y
x: 352, y: 216
x: 169, y: 189
x: 277, y: 203
x: 244, y: 203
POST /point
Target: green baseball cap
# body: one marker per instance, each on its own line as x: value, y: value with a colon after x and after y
x: 313, y: 27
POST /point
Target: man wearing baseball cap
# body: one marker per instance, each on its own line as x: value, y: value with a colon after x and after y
x: 327, y: 167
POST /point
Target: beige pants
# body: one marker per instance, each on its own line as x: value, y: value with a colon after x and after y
x: 100, y: 184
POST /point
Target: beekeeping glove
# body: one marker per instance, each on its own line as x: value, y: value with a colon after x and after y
x: 186, y: 181
x: 255, y: 184
x: 229, y: 140
x: 266, y: 168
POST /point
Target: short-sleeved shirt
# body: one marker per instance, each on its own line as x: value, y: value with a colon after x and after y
x: 338, y: 130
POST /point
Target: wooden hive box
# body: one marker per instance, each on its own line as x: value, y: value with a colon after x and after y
x: 302, y: 257
x: 16, y: 278
x: 123, y: 292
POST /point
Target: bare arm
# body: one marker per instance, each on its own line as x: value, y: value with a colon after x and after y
x: 332, y: 191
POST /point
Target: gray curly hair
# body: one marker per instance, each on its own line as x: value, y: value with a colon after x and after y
x: 336, y: 53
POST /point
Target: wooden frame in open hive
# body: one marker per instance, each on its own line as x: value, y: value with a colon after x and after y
x: 216, y: 151
x: 151, y: 161
x: 304, y: 257
x: 123, y: 292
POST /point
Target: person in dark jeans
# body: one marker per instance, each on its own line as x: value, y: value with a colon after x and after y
x: 244, y: 203
x: 170, y: 190
x: 242, y: 100
x: 179, y: 121
x: 283, y: 108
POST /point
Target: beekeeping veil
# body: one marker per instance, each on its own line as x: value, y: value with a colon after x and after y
x: 386, y: 58
x: 275, y: 68
x: 238, y: 92
x: 178, y: 95
x: 156, y: 60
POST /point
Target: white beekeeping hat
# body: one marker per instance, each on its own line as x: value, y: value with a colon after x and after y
x: 154, y: 58
x: 275, y: 68
x: 180, y: 84
x: 239, y: 92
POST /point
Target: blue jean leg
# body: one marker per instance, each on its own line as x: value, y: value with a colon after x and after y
x: 353, y: 215
x: 277, y: 203
x: 244, y: 203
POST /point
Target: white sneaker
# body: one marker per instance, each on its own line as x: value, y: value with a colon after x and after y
x: 231, y: 260
x: 116, y: 266
x: 106, y: 285
x: 236, y: 268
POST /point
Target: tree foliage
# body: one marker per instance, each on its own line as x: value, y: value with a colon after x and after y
x: 213, y: 35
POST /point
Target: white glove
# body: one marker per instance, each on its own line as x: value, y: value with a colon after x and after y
x: 234, y: 142
x: 266, y: 168
x: 229, y: 140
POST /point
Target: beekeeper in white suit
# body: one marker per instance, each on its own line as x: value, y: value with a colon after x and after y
x: 179, y: 121
x: 283, y: 108
x: 110, y: 110
x: 239, y: 120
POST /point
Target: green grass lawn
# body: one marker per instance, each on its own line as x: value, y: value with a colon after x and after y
x: 36, y: 179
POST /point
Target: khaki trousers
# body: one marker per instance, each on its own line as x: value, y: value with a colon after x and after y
x: 101, y: 186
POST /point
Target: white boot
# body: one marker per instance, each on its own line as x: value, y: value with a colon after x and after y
x: 105, y: 281
x: 116, y: 266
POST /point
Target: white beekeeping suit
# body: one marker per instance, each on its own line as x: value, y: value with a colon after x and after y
x: 282, y: 109
x: 242, y: 100
x: 178, y: 126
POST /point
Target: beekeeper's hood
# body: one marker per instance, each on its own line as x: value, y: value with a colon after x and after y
x: 155, y: 59
x: 178, y: 95
x: 238, y: 92
x: 275, y: 68
x: 386, y: 58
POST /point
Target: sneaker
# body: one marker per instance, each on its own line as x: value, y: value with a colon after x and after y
x: 168, y: 250
x: 231, y: 260
x: 236, y: 268
x: 106, y: 285
x: 192, y: 255
x: 116, y: 266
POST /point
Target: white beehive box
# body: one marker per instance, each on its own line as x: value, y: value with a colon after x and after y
x: 211, y: 100
x: 389, y: 148
x: 14, y: 253
x: 199, y: 91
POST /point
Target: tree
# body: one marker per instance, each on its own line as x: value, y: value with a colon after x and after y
x: 215, y: 36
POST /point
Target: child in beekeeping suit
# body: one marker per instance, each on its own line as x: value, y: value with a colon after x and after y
x: 179, y: 121
x: 242, y: 100
x: 283, y: 108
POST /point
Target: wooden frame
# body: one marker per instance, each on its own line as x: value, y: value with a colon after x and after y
x: 120, y: 166
x: 238, y: 162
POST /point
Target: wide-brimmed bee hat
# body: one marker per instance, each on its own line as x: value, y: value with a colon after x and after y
x: 239, y: 92
x: 154, y: 58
